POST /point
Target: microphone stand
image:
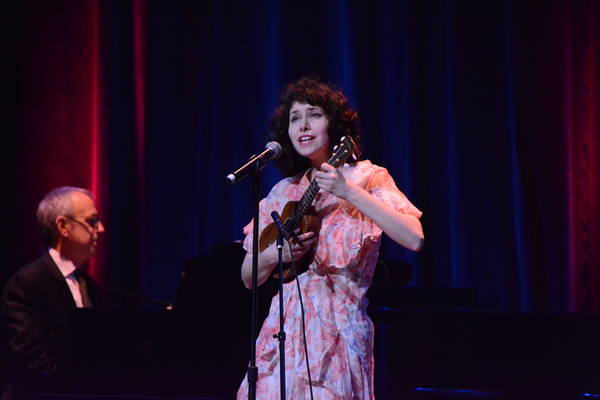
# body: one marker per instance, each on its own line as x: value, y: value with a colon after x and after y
x: 252, y: 369
x: 281, y: 335
x: 283, y: 234
x: 253, y: 167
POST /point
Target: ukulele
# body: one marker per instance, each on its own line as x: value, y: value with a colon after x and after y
x: 301, y: 214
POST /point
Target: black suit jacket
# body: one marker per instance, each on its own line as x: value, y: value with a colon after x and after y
x: 35, y: 307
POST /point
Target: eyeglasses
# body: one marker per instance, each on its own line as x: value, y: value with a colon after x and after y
x: 92, y: 221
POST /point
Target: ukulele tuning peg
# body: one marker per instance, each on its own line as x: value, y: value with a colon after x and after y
x: 335, y: 147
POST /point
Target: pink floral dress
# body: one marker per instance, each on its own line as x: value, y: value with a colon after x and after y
x: 338, y: 331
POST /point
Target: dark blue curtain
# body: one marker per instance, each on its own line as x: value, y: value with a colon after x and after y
x: 439, y: 91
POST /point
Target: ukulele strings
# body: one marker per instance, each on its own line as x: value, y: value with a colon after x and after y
x: 292, y: 223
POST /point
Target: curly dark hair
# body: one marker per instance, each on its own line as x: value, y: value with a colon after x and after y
x: 343, y: 121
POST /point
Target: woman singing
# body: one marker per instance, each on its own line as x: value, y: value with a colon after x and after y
x: 356, y: 203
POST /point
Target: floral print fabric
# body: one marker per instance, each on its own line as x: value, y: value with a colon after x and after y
x: 338, y: 331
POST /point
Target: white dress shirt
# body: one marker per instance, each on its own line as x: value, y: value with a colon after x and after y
x: 67, y: 268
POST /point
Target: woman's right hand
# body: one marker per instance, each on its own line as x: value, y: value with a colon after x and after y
x: 299, y: 244
x: 269, y: 258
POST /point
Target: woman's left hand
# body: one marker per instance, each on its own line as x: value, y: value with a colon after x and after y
x: 331, y: 180
x: 404, y: 229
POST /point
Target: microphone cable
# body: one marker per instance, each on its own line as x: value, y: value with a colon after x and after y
x: 303, y: 326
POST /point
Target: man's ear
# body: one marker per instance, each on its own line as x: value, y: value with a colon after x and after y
x: 61, y: 226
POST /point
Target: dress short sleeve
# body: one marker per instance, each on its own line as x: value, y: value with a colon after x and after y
x: 382, y: 186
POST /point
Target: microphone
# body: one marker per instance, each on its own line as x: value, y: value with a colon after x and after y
x: 280, y: 226
x: 256, y: 162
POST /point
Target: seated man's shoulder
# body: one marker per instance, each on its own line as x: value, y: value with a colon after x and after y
x: 30, y: 272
